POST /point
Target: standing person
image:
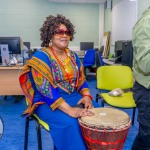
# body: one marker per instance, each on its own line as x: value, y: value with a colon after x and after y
x: 141, y: 70
x: 53, y: 82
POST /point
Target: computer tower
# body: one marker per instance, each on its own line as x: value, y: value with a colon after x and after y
x: 118, y: 51
x: 127, y: 53
x: 5, y: 54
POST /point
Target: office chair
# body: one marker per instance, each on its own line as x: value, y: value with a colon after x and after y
x: 89, y: 61
x: 39, y: 124
x: 112, y: 77
x: 101, y: 49
x: 99, y: 59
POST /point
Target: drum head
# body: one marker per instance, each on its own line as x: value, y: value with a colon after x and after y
x: 109, y: 118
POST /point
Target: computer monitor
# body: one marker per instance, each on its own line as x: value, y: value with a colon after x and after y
x: 27, y: 44
x: 13, y: 44
x: 86, y: 45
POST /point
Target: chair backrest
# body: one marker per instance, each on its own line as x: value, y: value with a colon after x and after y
x: 99, y: 59
x: 111, y: 77
x: 89, y: 58
x: 101, y: 49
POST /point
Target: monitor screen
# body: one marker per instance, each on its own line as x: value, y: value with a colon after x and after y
x: 86, y: 45
x: 27, y: 44
x: 13, y: 44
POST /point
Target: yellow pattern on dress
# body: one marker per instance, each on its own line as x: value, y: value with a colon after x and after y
x: 68, y: 68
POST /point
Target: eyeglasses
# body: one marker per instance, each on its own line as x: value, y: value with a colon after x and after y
x: 61, y: 32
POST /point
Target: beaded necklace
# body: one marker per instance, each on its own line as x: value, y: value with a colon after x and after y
x: 66, y: 71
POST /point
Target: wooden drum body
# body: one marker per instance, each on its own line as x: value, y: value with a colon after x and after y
x: 106, y: 130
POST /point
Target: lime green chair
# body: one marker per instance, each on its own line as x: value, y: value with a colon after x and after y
x: 39, y: 123
x: 113, y: 77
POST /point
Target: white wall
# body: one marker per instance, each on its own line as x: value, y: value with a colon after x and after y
x: 124, y: 17
x: 25, y: 17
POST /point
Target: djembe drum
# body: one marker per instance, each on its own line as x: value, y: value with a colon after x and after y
x: 106, y: 130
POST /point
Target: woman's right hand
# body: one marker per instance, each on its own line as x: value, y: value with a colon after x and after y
x: 76, y: 112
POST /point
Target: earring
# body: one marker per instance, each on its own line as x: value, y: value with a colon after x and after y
x: 50, y: 43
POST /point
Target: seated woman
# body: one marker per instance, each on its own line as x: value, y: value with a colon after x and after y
x: 53, y: 82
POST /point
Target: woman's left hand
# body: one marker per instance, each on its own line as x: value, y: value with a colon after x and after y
x: 86, y: 101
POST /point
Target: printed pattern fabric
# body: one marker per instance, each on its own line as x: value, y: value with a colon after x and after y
x: 43, y: 75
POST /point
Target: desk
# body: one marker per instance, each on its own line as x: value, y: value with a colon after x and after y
x: 107, y: 62
x: 80, y: 55
x: 9, y: 81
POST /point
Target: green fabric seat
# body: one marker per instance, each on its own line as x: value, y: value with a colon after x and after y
x: 124, y: 101
x: 113, y: 77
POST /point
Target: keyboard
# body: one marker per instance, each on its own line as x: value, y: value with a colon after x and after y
x: 112, y: 59
x: 3, y: 66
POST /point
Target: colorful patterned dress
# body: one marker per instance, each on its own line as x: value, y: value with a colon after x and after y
x: 46, y: 85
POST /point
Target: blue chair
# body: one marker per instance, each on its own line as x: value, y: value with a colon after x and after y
x: 89, y: 59
x: 99, y: 59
